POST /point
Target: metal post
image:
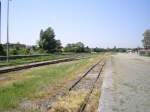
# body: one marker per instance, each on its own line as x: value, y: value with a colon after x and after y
x: 8, y: 31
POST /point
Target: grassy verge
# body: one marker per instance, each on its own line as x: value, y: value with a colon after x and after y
x: 29, y: 60
x: 73, y: 101
x: 14, y: 62
x: 37, y: 82
x: 69, y: 103
x: 92, y: 105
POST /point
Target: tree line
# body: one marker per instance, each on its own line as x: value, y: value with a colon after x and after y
x: 47, y: 43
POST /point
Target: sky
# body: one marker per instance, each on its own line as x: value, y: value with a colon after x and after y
x: 96, y: 23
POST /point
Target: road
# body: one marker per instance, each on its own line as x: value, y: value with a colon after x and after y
x: 126, y: 84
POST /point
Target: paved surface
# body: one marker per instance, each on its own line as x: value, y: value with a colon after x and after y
x: 126, y: 84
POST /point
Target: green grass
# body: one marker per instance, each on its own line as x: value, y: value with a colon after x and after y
x: 12, y: 94
x: 15, y: 62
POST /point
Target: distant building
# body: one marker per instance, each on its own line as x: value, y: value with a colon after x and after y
x: 146, y: 40
x: 12, y: 45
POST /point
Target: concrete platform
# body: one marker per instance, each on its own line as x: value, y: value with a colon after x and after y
x: 126, y: 84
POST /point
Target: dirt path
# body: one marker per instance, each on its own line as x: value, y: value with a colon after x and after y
x: 126, y: 84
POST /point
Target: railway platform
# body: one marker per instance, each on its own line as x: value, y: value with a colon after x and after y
x: 126, y: 84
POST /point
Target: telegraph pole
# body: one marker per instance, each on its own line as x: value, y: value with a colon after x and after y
x: 8, y: 30
x: 0, y: 23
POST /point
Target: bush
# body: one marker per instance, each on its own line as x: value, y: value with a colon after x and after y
x: 14, y: 52
x: 24, y: 52
x: 2, y: 51
x: 77, y: 48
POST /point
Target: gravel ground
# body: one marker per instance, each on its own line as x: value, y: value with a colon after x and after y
x: 126, y: 84
x: 87, y: 82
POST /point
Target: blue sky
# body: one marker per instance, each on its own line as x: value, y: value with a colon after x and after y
x: 101, y: 23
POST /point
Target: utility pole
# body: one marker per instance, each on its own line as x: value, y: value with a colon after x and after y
x: 8, y: 30
x: 0, y: 23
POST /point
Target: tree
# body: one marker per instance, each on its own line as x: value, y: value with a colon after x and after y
x: 99, y: 49
x: 14, y: 51
x: 2, y: 52
x: 48, y: 42
x: 69, y: 48
x: 146, y: 40
x: 75, y: 47
x: 17, y: 47
x: 114, y: 49
x: 79, y: 47
x: 58, y: 46
x: 87, y: 50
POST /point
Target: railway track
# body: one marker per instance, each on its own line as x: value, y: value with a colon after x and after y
x: 36, y: 64
x: 93, y: 72
x: 92, y: 86
x: 84, y: 75
x: 89, y: 79
x: 83, y: 106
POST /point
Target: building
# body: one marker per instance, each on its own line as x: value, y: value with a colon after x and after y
x: 146, y: 40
